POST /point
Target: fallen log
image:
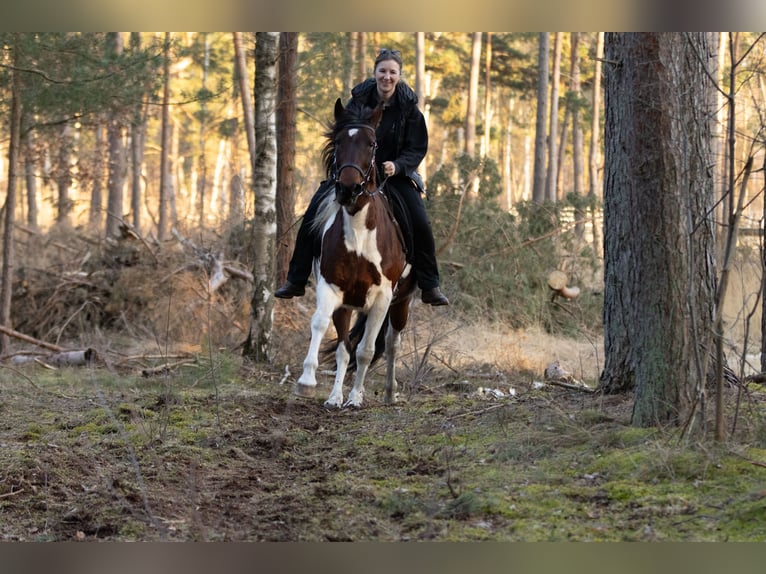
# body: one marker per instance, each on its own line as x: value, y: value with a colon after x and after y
x: 16, y: 335
x: 557, y: 281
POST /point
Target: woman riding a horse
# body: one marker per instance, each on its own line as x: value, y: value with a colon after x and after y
x: 402, y: 140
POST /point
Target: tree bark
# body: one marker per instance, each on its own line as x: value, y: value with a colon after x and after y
x: 658, y: 237
x: 595, y: 129
x: 137, y: 137
x: 286, y: 127
x: 258, y: 345
x: 552, y: 191
x: 538, y: 178
x: 6, y: 286
x: 30, y: 163
x: 577, y: 135
x: 473, y: 96
x: 244, y: 94
x: 115, y: 129
x: 165, y: 171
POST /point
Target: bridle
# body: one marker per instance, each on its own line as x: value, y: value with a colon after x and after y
x: 367, y: 175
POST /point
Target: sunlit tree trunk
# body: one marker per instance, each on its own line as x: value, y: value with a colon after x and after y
x: 538, y: 178
x: 245, y: 95
x: 97, y: 189
x: 473, y: 95
x: 6, y: 285
x: 553, y: 152
x: 258, y: 345
x: 658, y: 234
x: 595, y: 129
x: 64, y: 175
x: 165, y: 168
x: 203, y: 120
x: 420, y: 88
x: 30, y: 173
x: 361, y: 57
x: 577, y: 135
x: 485, y: 151
x: 116, y: 165
x: 286, y: 128
x: 137, y: 140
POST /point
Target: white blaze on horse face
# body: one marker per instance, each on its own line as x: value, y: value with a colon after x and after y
x: 352, y: 132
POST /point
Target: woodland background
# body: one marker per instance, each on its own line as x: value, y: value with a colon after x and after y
x: 131, y: 157
x: 153, y: 184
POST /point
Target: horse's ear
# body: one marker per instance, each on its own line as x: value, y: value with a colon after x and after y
x: 377, y: 113
x: 339, y: 109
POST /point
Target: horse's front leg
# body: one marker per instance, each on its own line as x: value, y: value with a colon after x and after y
x: 320, y: 321
x: 341, y: 319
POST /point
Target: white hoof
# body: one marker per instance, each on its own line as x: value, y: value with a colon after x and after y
x: 354, y: 400
x: 334, y: 402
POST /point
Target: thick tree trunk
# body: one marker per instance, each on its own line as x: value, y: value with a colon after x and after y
x: 658, y: 237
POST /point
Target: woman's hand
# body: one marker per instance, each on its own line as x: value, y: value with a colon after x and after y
x: 389, y: 168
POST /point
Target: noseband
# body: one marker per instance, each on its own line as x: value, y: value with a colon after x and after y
x: 367, y: 175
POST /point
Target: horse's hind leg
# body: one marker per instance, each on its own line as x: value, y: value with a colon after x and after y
x: 341, y: 319
x: 393, y: 342
x: 398, y: 316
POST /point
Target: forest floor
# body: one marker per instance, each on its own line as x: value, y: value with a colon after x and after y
x: 478, y: 447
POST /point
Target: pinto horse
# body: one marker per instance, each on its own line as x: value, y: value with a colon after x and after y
x: 362, y: 265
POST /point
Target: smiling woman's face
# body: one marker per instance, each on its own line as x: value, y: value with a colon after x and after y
x: 387, y: 75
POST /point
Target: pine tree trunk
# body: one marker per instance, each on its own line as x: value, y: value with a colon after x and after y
x: 593, y: 153
x: 165, y: 170
x: 538, y: 178
x: 115, y: 129
x: 552, y: 191
x: 6, y: 283
x: 577, y: 136
x: 658, y: 239
x: 30, y: 163
x: 473, y: 96
x: 286, y: 127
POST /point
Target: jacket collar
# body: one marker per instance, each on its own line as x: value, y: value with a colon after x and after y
x: 405, y: 96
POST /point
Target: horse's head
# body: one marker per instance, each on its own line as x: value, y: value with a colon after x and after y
x: 353, y: 144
